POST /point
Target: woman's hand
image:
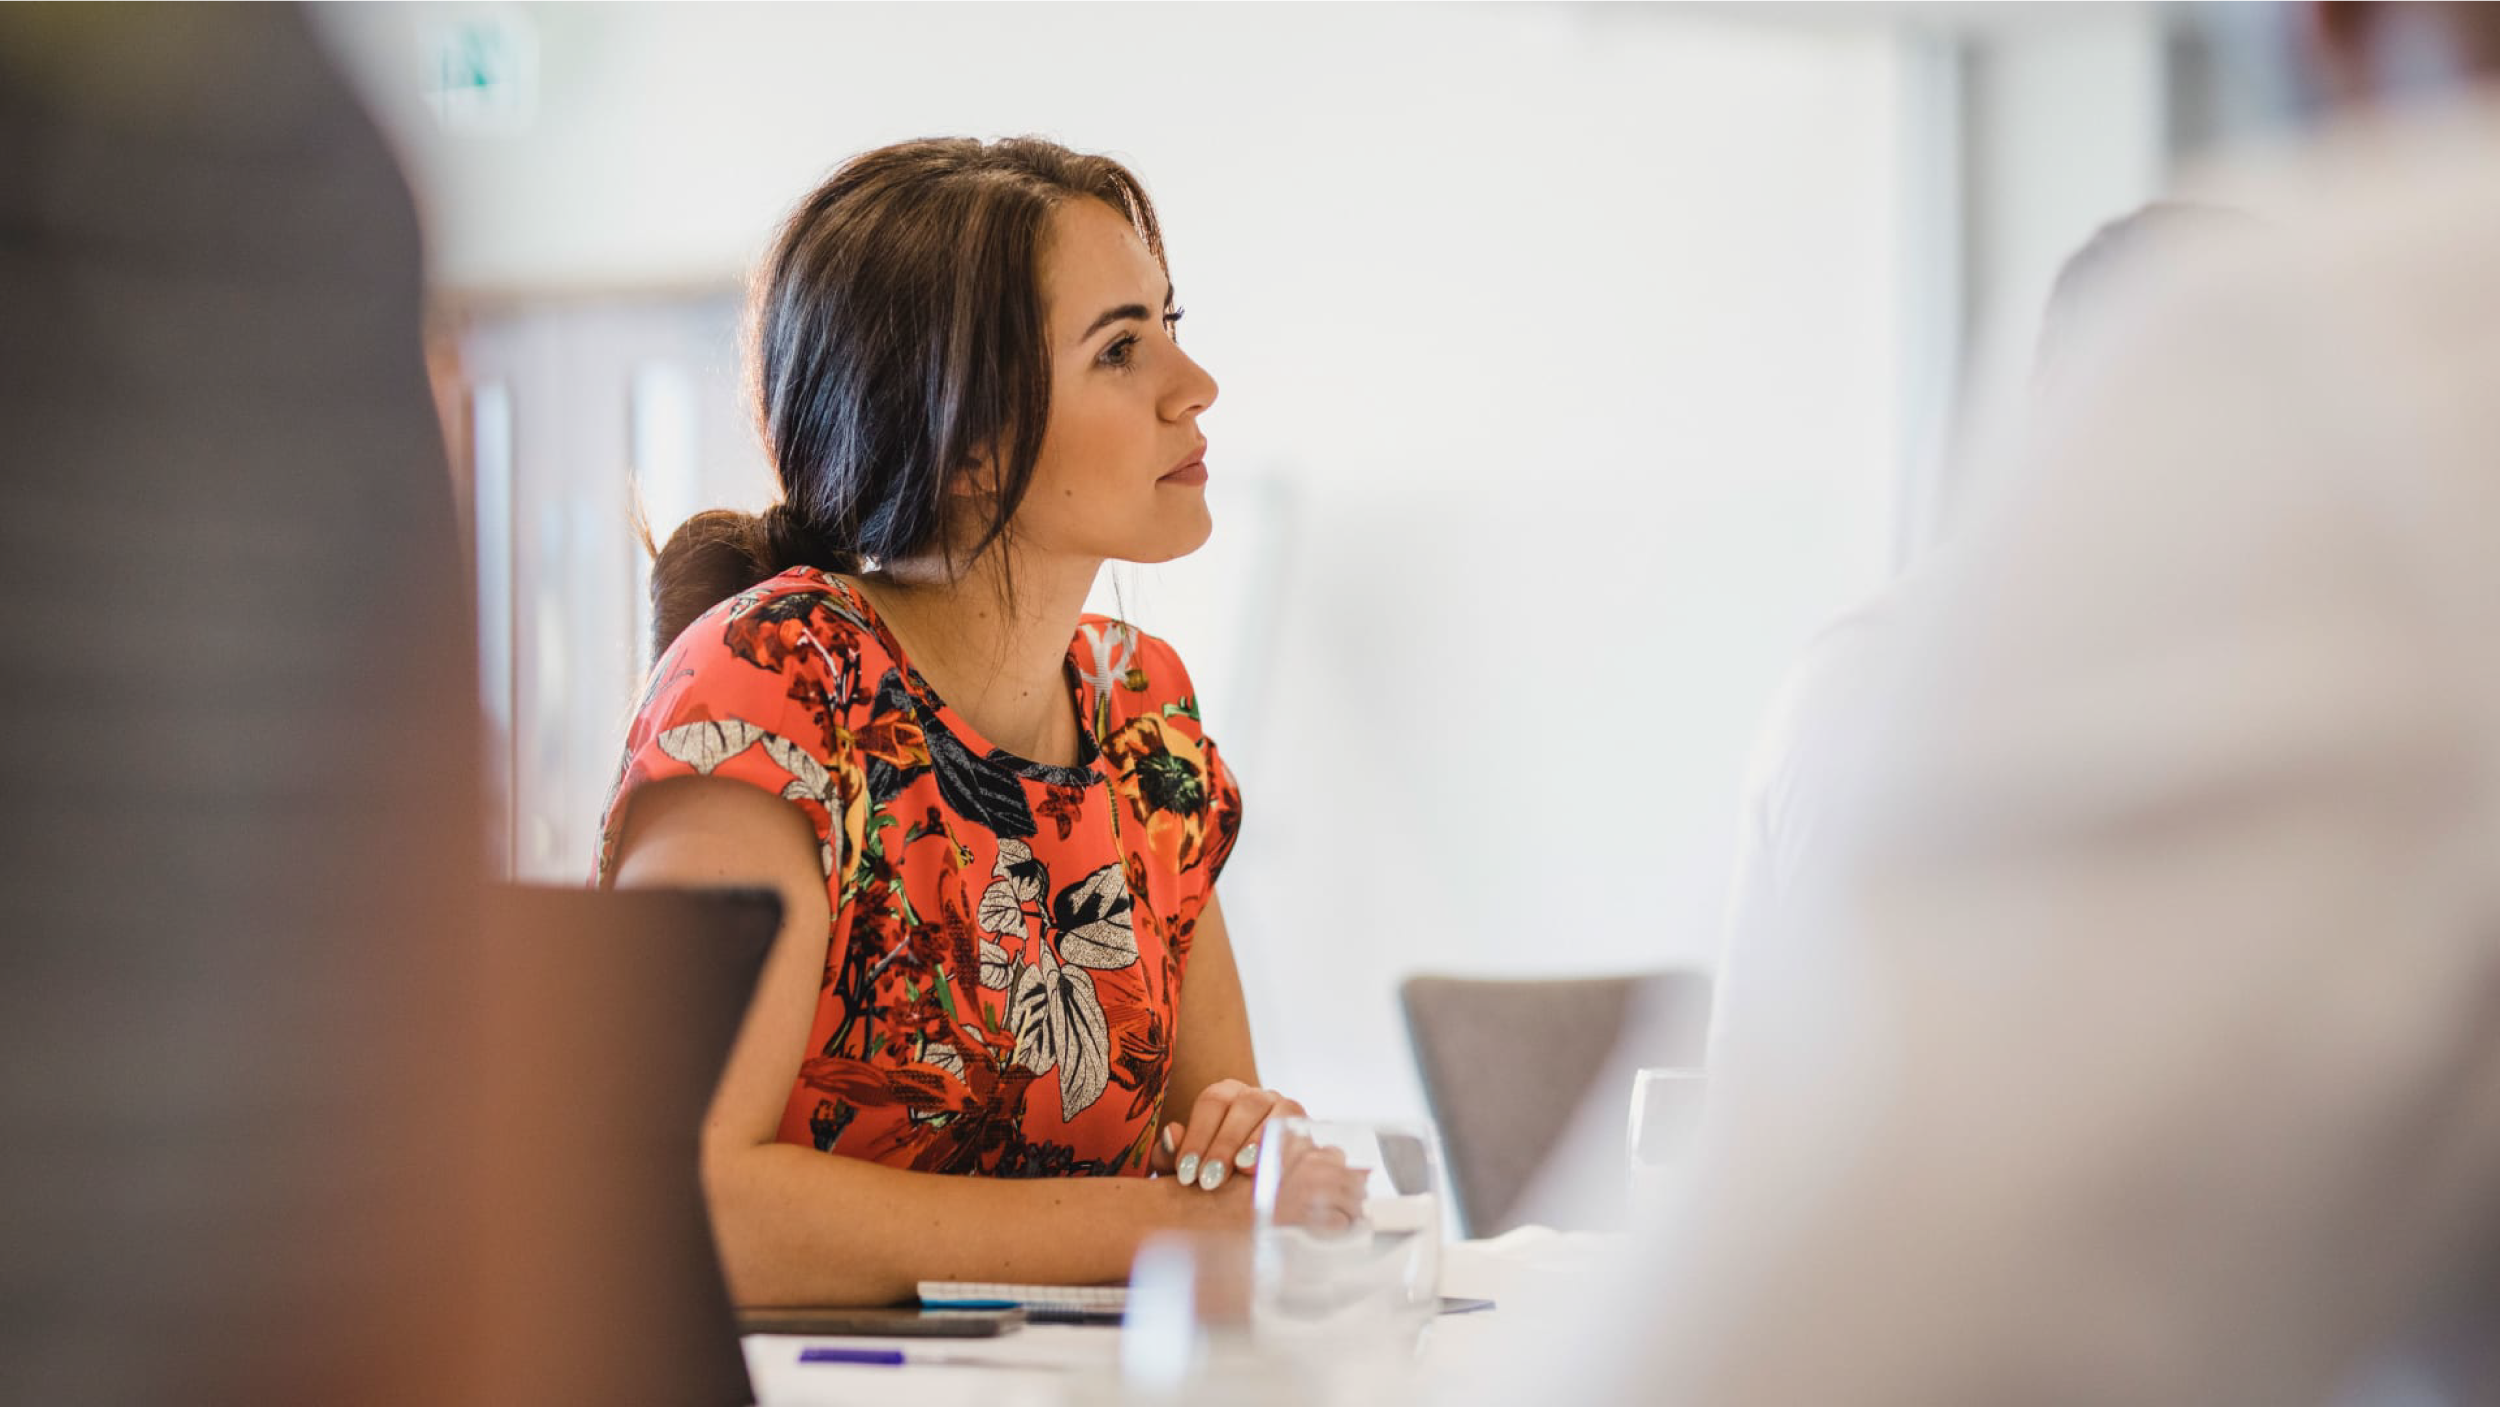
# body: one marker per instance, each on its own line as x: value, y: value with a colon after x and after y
x: 1222, y: 1134
x: 1316, y: 1190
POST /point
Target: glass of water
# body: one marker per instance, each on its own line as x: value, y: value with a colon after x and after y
x: 1347, y: 1245
x: 1185, y: 1339
x: 1659, y: 1139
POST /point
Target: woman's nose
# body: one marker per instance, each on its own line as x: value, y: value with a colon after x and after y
x: 1192, y: 391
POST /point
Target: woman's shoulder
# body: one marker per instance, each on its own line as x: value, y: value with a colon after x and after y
x: 801, y: 616
x: 762, y: 689
x: 800, y: 630
x: 1136, y: 686
x: 1128, y: 667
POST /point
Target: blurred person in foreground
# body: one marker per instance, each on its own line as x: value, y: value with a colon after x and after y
x: 2164, y: 1063
x: 237, y: 736
x: 1822, y: 731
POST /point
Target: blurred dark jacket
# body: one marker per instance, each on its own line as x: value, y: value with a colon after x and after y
x: 237, y: 731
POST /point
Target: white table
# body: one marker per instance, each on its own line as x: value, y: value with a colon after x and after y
x: 1054, y: 1363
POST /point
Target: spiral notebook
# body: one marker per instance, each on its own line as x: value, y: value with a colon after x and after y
x: 1074, y: 1304
x: 1040, y: 1300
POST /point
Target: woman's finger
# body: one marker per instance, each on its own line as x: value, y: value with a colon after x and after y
x: 1235, y: 1144
x: 1167, y: 1149
x: 1204, y: 1118
x: 1283, y: 1108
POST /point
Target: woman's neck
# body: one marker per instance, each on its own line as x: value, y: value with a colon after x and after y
x: 1000, y: 665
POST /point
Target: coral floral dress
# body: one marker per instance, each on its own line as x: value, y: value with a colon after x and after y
x: 1003, y: 972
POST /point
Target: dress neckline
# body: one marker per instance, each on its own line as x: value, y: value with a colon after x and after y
x: 935, y: 709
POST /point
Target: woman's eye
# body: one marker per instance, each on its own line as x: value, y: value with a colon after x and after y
x: 1121, y: 351
x: 1172, y: 323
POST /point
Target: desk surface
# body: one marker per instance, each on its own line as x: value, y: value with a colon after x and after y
x: 1049, y: 1363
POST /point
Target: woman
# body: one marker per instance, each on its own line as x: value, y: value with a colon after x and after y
x: 995, y: 823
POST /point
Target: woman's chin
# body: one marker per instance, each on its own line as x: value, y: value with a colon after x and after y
x: 1175, y: 542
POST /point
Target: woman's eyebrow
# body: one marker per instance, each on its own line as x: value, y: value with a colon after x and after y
x: 1126, y: 312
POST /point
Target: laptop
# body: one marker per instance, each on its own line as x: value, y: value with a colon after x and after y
x: 611, y: 1014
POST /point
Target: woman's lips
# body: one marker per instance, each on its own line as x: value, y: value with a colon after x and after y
x: 1192, y: 470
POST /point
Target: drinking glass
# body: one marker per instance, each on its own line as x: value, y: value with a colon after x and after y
x: 1665, y: 1121
x: 1348, y: 1239
x: 1185, y: 1340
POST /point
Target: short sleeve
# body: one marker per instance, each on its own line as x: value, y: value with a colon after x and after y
x: 1224, y: 811
x: 757, y: 691
x: 1173, y: 779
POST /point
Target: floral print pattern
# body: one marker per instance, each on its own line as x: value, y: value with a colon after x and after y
x: 1002, y: 974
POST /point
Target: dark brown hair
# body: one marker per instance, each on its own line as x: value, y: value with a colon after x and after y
x: 898, y: 334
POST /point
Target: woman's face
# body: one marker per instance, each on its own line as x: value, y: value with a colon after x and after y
x: 1122, y: 472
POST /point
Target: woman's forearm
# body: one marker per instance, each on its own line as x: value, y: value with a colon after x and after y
x: 796, y: 1226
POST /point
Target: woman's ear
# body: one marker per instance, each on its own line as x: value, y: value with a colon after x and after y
x: 976, y: 477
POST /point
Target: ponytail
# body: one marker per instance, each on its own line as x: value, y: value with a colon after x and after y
x: 714, y: 555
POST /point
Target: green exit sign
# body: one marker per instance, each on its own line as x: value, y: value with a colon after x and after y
x: 481, y: 72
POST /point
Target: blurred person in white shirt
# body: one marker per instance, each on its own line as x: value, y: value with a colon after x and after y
x: 2162, y: 1062
x: 1820, y: 732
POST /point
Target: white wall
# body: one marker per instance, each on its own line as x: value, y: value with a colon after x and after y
x: 2068, y: 132
x: 2063, y: 126
x: 1560, y: 403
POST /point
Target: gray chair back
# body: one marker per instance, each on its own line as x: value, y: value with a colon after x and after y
x: 1505, y: 1064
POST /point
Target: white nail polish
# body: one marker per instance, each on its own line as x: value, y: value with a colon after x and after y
x: 1188, y: 1169
x: 1171, y: 1137
x: 1212, y: 1176
x: 1247, y: 1158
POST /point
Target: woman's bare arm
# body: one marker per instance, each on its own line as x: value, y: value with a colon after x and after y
x: 797, y: 1226
x: 1212, y: 1041
x: 1214, y: 1093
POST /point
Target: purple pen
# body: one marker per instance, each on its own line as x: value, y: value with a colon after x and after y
x: 897, y: 1358
x: 885, y: 1357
